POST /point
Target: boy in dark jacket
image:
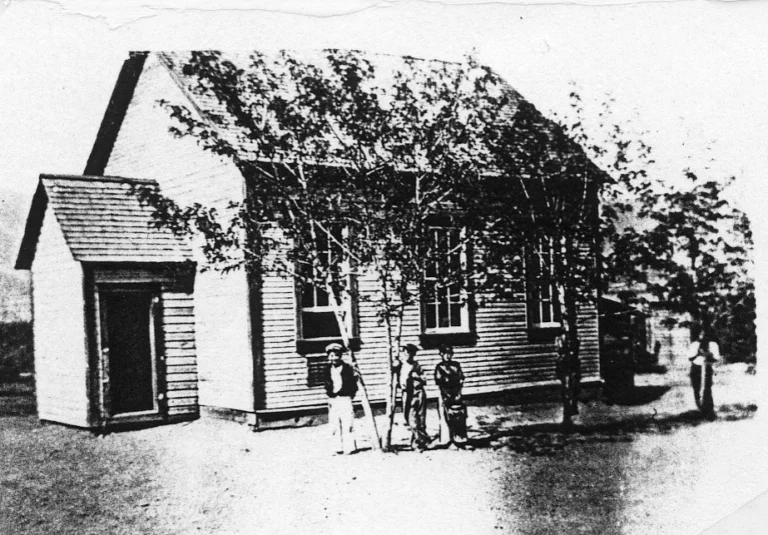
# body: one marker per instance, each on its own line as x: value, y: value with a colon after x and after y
x: 341, y: 387
x: 453, y: 412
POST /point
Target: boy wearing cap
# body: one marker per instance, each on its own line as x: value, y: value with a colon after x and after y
x: 341, y: 387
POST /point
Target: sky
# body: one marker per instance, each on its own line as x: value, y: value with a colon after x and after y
x: 693, y: 75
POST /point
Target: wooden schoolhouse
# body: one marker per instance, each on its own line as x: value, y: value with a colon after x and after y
x: 130, y: 328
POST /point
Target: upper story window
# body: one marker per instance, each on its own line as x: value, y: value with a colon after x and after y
x: 444, y: 305
x: 543, y: 311
x: 317, y: 318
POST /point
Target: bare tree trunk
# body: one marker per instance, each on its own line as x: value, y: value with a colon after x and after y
x: 568, y: 366
x: 374, y: 432
x: 390, y: 410
x: 393, y: 377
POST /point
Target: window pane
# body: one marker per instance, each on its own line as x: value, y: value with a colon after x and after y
x: 535, y: 313
x: 308, y: 296
x: 442, y: 311
x: 455, y: 263
x: 544, y: 291
x: 455, y: 315
x: 546, y: 312
x: 322, y: 243
x: 430, y: 294
x: 319, y: 325
x: 441, y: 240
x: 431, y: 316
x: 454, y: 293
x: 322, y: 298
x: 431, y: 270
x: 455, y: 252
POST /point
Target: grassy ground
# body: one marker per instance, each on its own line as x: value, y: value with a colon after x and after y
x: 651, y: 466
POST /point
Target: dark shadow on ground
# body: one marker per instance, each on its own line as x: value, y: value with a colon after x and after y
x: 549, y: 438
x: 647, y: 369
x: 642, y: 395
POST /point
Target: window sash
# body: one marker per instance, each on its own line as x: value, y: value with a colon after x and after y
x: 316, y: 316
x: 444, y: 308
x: 542, y: 305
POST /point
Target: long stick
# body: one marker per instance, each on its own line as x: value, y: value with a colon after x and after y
x: 375, y: 438
x: 392, y: 385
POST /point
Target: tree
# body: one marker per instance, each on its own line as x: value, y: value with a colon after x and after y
x: 345, y: 175
x: 548, y: 208
x: 699, y: 249
x: 678, y: 237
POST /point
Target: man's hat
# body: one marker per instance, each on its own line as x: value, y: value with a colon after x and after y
x: 335, y: 347
x: 411, y: 349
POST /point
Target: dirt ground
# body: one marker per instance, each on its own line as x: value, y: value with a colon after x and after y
x: 652, y: 466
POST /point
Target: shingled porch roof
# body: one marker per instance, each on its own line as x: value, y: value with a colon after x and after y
x: 102, y: 220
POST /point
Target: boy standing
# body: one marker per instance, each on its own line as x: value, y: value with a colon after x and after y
x: 341, y: 387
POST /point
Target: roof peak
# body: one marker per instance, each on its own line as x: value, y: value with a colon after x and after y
x: 270, y: 50
x: 99, y: 178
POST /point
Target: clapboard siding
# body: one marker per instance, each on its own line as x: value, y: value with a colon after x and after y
x: 177, y: 321
x: 502, y: 358
x: 145, y: 148
x: 224, y: 342
x: 180, y: 358
x: 61, y: 365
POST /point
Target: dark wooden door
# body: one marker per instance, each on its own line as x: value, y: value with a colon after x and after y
x: 129, y: 360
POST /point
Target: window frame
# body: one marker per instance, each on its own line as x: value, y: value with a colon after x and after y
x: 534, y: 302
x: 317, y: 344
x: 466, y: 325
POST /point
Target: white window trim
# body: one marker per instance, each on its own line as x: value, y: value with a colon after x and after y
x: 346, y: 305
x: 465, y: 326
x: 539, y: 303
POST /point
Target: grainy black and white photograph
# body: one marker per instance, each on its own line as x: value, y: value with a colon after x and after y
x: 365, y: 267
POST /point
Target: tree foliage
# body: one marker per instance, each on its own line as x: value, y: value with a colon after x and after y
x: 385, y: 149
x: 696, y: 256
x: 674, y: 237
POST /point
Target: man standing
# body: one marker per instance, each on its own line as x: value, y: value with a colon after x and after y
x: 341, y: 387
x: 703, y: 353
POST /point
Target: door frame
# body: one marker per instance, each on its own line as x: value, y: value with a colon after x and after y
x: 159, y: 410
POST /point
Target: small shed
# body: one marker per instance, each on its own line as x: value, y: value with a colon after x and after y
x: 113, y: 314
x: 622, y: 345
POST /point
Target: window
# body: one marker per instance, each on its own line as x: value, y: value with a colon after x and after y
x: 543, y: 311
x: 318, y: 319
x: 444, y: 305
x: 316, y: 316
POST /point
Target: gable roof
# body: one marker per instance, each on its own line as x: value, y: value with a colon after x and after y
x: 102, y: 220
x: 121, y: 98
x: 385, y: 69
x: 208, y: 107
